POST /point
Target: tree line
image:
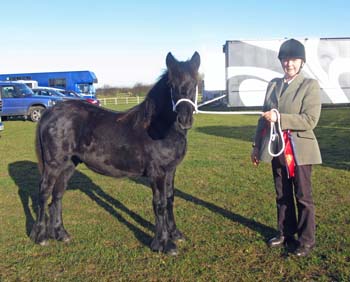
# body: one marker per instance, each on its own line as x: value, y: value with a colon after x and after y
x: 139, y: 89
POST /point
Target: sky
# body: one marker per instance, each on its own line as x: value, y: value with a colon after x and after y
x: 126, y: 42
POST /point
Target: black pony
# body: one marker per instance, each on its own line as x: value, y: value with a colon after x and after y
x: 147, y: 140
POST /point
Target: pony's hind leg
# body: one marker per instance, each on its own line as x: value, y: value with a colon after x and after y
x: 39, y: 232
x: 56, y: 229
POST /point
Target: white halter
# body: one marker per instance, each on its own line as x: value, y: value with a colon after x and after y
x: 194, y: 104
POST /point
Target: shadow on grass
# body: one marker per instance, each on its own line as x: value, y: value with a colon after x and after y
x: 245, y: 133
x: 334, y: 141
x: 334, y: 145
x: 26, y: 176
x: 260, y: 228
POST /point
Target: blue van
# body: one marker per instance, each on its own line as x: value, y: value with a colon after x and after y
x: 81, y: 82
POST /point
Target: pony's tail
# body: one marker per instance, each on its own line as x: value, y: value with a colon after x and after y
x: 38, y: 149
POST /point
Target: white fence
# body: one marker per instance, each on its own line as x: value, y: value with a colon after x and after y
x: 121, y: 100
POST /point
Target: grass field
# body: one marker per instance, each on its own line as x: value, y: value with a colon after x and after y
x: 223, y: 205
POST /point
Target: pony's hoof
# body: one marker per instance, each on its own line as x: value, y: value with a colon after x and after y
x: 172, y: 252
x: 62, y: 236
x: 166, y: 247
x: 171, y: 249
x: 177, y: 236
x: 44, y: 243
x: 156, y: 246
x: 38, y: 235
x: 66, y: 239
x: 180, y: 240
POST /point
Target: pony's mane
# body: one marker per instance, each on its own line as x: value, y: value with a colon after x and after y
x: 141, y: 115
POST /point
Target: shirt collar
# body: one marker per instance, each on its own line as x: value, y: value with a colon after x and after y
x: 289, y: 81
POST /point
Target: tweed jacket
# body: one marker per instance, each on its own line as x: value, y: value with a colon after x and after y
x: 299, y: 107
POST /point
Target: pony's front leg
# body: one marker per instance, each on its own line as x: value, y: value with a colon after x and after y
x: 56, y: 229
x: 175, y: 234
x: 161, y: 241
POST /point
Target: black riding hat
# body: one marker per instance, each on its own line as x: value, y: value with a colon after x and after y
x: 292, y: 49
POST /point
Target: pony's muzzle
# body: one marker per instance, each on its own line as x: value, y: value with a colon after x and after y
x: 185, y: 116
x: 183, y: 124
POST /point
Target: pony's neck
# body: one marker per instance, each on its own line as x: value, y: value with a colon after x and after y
x: 163, y: 117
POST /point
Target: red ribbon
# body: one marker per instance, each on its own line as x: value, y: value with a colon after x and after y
x: 288, y: 154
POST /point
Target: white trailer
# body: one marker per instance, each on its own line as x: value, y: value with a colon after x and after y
x: 251, y: 64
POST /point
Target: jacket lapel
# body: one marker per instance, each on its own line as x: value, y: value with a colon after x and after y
x: 293, y: 87
x: 277, y: 92
x: 279, y: 88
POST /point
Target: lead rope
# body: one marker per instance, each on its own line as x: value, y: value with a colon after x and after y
x: 274, y: 133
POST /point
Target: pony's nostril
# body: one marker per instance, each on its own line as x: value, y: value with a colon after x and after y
x: 185, y: 123
x: 179, y: 119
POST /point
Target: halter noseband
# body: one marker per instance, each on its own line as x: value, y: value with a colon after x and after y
x: 194, y: 104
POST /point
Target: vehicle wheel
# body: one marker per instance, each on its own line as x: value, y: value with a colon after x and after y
x: 35, y: 113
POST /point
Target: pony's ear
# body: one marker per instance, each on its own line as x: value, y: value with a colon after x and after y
x: 195, y: 61
x: 170, y: 61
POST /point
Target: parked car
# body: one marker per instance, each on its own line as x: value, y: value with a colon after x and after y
x: 48, y: 91
x: 65, y: 94
x: 1, y: 124
x: 71, y: 93
x: 19, y: 100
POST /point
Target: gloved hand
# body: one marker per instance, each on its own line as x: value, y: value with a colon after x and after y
x: 270, y: 116
x: 254, y: 156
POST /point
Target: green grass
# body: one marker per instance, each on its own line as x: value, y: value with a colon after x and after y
x: 223, y: 204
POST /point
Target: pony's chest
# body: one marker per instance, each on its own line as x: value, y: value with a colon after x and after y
x: 169, y: 150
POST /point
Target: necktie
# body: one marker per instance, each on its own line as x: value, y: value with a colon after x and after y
x: 284, y: 87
